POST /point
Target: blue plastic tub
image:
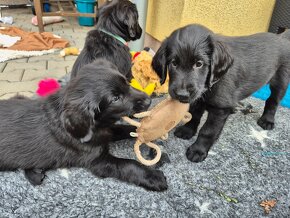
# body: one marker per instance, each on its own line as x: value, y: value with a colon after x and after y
x: 265, y: 92
x: 86, y: 6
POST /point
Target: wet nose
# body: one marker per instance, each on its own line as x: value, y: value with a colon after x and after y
x: 182, y: 95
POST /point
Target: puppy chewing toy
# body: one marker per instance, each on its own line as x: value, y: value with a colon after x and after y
x: 156, y: 124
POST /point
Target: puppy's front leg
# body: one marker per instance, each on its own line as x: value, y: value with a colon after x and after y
x: 120, y: 132
x: 189, y: 129
x: 129, y: 171
x: 208, y: 134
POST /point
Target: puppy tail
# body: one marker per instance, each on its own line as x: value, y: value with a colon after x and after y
x: 286, y: 34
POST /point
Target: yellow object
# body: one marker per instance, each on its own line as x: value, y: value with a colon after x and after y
x: 132, y: 54
x: 69, y: 51
x: 227, y: 17
x: 149, y: 89
x: 145, y: 76
x: 156, y: 124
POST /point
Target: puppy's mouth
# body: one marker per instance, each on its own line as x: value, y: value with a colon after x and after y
x: 186, y: 96
x: 141, y: 105
x: 183, y: 100
x: 181, y: 95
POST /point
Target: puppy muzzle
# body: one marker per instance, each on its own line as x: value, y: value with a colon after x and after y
x: 181, y: 95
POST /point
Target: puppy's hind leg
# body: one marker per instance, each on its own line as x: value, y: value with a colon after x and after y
x: 34, y: 176
x: 188, y: 130
x: 278, y: 87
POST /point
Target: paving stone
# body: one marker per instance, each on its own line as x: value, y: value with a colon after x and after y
x: 37, y: 75
x: 68, y: 69
x: 2, y: 66
x: 33, y: 28
x: 59, y: 27
x: 40, y: 65
x: 79, y: 45
x: 80, y: 42
x: 12, y: 76
x: 56, y: 64
x: 7, y: 95
x: 55, y: 56
x: 71, y: 58
x: 66, y: 22
x: 24, y: 86
x: 27, y: 94
x: 19, y: 60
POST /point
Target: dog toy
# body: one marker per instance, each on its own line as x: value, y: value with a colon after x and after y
x: 6, y: 20
x: 149, y: 89
x: 47, y: 20
x: 47, y: 87
x: 144, y: 74
x: 134, y: 54
x: 69, y: 51
x: 156, y: 124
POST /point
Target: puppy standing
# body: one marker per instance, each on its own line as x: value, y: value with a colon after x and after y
x: 73, y: 127
x: 117, y: 24
x: 215, y: 72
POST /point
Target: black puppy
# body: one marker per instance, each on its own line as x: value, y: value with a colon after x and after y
x: 215, y: 72
x: 73, y: 127
x: 117, y: 24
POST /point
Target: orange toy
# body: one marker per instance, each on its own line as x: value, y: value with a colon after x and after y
x: 156, y: 124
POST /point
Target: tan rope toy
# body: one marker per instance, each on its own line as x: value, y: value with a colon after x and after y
x: 156, y: 124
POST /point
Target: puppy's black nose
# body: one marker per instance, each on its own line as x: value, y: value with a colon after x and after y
x: 143, y: 104
x: 182, y: 95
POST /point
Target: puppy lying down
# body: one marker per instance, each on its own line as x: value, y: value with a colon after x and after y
x: 73, y: 127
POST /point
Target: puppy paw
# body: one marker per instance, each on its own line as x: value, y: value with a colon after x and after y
x: 154, y: 180
x: 184, y: 132
x: 34, y: 176
x: 265, y: 124
x: 196, y: 154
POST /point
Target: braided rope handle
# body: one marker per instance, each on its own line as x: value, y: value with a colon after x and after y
x: 141, y: 158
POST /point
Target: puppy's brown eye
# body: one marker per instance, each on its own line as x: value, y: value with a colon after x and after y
x: 174, y: 63
x: 198, y: 64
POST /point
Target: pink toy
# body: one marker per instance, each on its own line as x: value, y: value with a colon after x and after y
x: 47, y: 20
x: 47, y: 87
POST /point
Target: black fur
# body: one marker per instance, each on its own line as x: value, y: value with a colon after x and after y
x: 214, y: 72
x: 119, y: 17
x: 72, y: 128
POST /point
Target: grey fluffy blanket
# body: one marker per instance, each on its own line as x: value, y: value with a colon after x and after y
x: 246, y: 166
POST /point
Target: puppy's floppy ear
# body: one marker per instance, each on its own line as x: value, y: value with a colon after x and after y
x: 221, y: 60
x: 159, y: 62
x: 78, y: 118
x: 131, y: 24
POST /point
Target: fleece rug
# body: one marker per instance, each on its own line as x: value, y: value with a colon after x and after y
x: 245, y: 167
x: 17, y: 43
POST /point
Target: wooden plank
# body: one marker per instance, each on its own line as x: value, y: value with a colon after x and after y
x: 59, y: 6
x: 69, y: 14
